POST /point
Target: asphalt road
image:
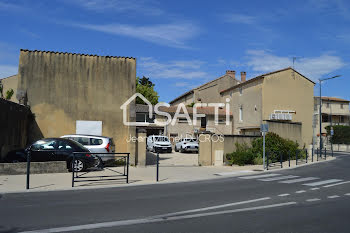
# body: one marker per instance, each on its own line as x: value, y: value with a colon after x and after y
x: 313, y: 198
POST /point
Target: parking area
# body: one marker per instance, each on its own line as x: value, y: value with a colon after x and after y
x: 173, y: 159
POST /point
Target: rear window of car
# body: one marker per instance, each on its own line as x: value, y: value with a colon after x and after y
x: 82, y: 140
x: 95, y: 141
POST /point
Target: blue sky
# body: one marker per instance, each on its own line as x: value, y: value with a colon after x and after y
x: 182, y: 44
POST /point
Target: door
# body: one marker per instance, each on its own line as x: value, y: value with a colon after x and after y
x: 64, y: 151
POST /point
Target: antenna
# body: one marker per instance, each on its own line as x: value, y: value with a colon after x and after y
x: 294, y: 59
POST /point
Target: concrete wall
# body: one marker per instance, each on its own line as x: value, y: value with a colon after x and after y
x: 35, y: 168
x: 10, y: 83
x: 340, y: 147
x: 62, y: 88
x: 288, y: 90
x: 14, y: 121
x: 288, y: 130
x: 210, y: 146
x: 187, y: 99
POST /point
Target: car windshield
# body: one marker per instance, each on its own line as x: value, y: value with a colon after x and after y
x: 161, y: 139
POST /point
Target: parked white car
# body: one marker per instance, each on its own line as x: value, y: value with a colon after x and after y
x: 158, y: 143
x: 95, y: 144
x: 187, y: 145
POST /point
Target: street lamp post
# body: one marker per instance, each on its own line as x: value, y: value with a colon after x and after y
x: 320, y: 111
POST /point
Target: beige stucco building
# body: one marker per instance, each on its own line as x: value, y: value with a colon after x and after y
x: 10, y: 83
x: 210, y: 91
x: 335, y: 111
x: 283, y: 99
x: 64, y: 88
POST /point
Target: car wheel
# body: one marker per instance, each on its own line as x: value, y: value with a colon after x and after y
x: 182, y: 150
x: 78, y: 166
x: 99, y: 164
x: 176, y: 150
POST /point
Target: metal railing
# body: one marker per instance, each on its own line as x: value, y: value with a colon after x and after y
x: 114, y: 158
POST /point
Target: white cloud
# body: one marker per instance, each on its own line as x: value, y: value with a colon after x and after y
x: 172, y: 35
x: 7, y: 70
x: 239, y: 18
x: 312, y: 67
x: 101, y: 6
x: 174, y: 69
x: 181, y: 84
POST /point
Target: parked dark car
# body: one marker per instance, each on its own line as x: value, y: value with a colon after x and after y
x: 56, y: 149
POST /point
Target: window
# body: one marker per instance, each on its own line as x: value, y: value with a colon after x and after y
x: 341, y: 106
x: 255, y: 108
x: 143, y: 117
x: 327, y: 105
x: 203, y: 122
x: 96, y: 141
x: 241, y: 113
x: 63, y: 146
x: 44, y: 145
x: 81, y: 140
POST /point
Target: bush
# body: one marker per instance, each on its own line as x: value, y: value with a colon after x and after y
x: 243, y: 155
x: 341, y: 134
x: 274, y: 146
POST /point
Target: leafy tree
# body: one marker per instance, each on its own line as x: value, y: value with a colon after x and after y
x: 145, y: 87
x: 9, y: 94
x: 341, y: 134
x: 1, y: 90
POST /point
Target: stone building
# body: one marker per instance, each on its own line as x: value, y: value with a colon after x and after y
x: 63, y: 88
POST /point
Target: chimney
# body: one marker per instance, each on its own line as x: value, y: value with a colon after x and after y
x: 243, y: 76
x: 231, y: 73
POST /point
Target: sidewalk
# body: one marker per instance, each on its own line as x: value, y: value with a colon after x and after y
x: 138, y: 176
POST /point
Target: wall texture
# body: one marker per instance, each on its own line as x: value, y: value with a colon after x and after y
x: 62, y: 88
x: 14, y: 121
x: 289, y: 130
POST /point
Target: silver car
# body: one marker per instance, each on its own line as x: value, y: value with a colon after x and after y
x: 96, y: 144
x: 186, y: 145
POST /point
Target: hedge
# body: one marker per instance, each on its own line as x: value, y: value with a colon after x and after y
x: 341, y: 134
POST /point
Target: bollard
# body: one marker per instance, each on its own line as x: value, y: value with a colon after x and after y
x: 73, y: 169
x: 281, y: 160
x: 317, y: 153
x: 28, y: 168
x: 296, y: 158
x: 312, y: 155
x: 306, y: 155
x: 325, y: 154
x: 157, y: 166
x: 127, y: 168
x: 289, y: 157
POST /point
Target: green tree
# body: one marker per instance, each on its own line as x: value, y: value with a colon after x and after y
x: 9, y: 94
x: 145, y: 87
x: 1, y: 90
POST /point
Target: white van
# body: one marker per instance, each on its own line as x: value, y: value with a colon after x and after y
x: 158, y: 143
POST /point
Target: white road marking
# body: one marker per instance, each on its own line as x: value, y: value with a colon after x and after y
x: 334, y: 196
x: 152, y: 220
x: 331, y: 185
x: 232, y: 173
x: 278, y: 178
x: 322, y: 182
x: 300, y: 191
x: 314, y: 188
x: 258, y: 176
x: 347, y: 194
x: 211, y: 207
x: 284, y: 195
x: 313, y: 199
x: 298, y: 180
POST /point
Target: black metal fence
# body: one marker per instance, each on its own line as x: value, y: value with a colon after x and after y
x: 276, y: 159
x: 113, y: 160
